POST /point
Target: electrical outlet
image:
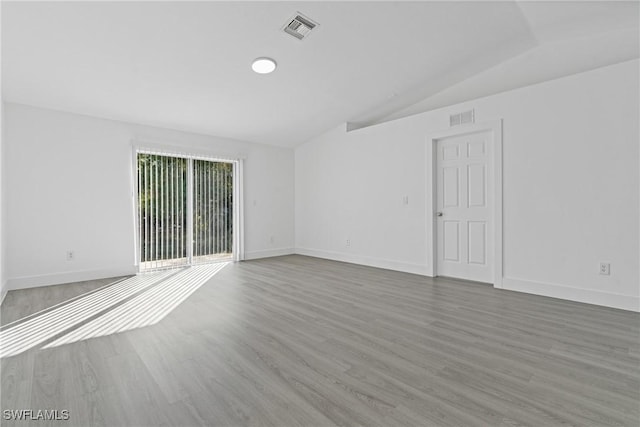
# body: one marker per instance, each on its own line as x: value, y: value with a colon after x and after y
x: 605, y: 268
x: 348, y: 242
x: 405, y: 200
x: 71, y: 255
x: 272, y: 240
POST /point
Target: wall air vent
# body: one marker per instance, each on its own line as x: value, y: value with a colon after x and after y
x: 462, y: 118
x: 299, y: 26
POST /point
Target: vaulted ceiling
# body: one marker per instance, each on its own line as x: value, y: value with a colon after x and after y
x: 186, y: 65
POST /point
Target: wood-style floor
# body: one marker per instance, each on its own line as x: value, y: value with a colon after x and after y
x: 299, y: 341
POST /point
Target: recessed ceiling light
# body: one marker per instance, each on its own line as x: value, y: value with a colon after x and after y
x: 263, y: 65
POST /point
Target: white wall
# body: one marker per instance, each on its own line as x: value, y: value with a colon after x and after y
x: 69, y: 188
x: 571, y: 188
x: 3, y: 285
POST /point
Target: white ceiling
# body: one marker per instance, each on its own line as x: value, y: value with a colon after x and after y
x: 186, y: 65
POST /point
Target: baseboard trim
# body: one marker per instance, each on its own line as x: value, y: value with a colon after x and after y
x: 368, y: 261
x: 268, y: 253
x: 66, y: 277
x: 589, y: 296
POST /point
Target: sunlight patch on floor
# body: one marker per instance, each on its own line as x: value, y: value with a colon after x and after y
x: 150, y: 296
x: 145, y: 309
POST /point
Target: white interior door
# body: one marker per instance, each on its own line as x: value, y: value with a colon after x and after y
x: 464, y: 212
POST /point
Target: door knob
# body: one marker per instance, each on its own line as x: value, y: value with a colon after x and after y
x: 438, y: 213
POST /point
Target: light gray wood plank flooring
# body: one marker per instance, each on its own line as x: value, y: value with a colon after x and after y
x: 299, y: 341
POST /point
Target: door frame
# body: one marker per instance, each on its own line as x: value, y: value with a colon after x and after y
x: 495, y: 127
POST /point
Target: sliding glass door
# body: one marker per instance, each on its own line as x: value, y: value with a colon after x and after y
x: 212, y: 211
x: 162, y: 211
x: 185, y: 210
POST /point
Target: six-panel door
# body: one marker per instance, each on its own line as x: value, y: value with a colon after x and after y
x: 464, y: 201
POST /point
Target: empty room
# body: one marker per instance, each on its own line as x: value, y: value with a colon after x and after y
x: 320, y: 213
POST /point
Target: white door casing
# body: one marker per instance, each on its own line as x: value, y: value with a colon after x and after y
x: 467, y: 202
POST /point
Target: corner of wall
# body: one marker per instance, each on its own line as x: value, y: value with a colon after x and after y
x: 3, y: 282
x: 4, y: 292
x: 268, y: 253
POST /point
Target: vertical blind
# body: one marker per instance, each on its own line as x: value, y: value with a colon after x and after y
x: 212, y: 210
x: 185, y: 210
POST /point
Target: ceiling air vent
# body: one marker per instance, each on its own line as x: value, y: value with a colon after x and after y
x: 300, y: 26
x: 462, y: 118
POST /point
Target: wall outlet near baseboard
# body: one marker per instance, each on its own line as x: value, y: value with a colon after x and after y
x: 71, y: 255
x: 605, y: 268
x: 348, y: 243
